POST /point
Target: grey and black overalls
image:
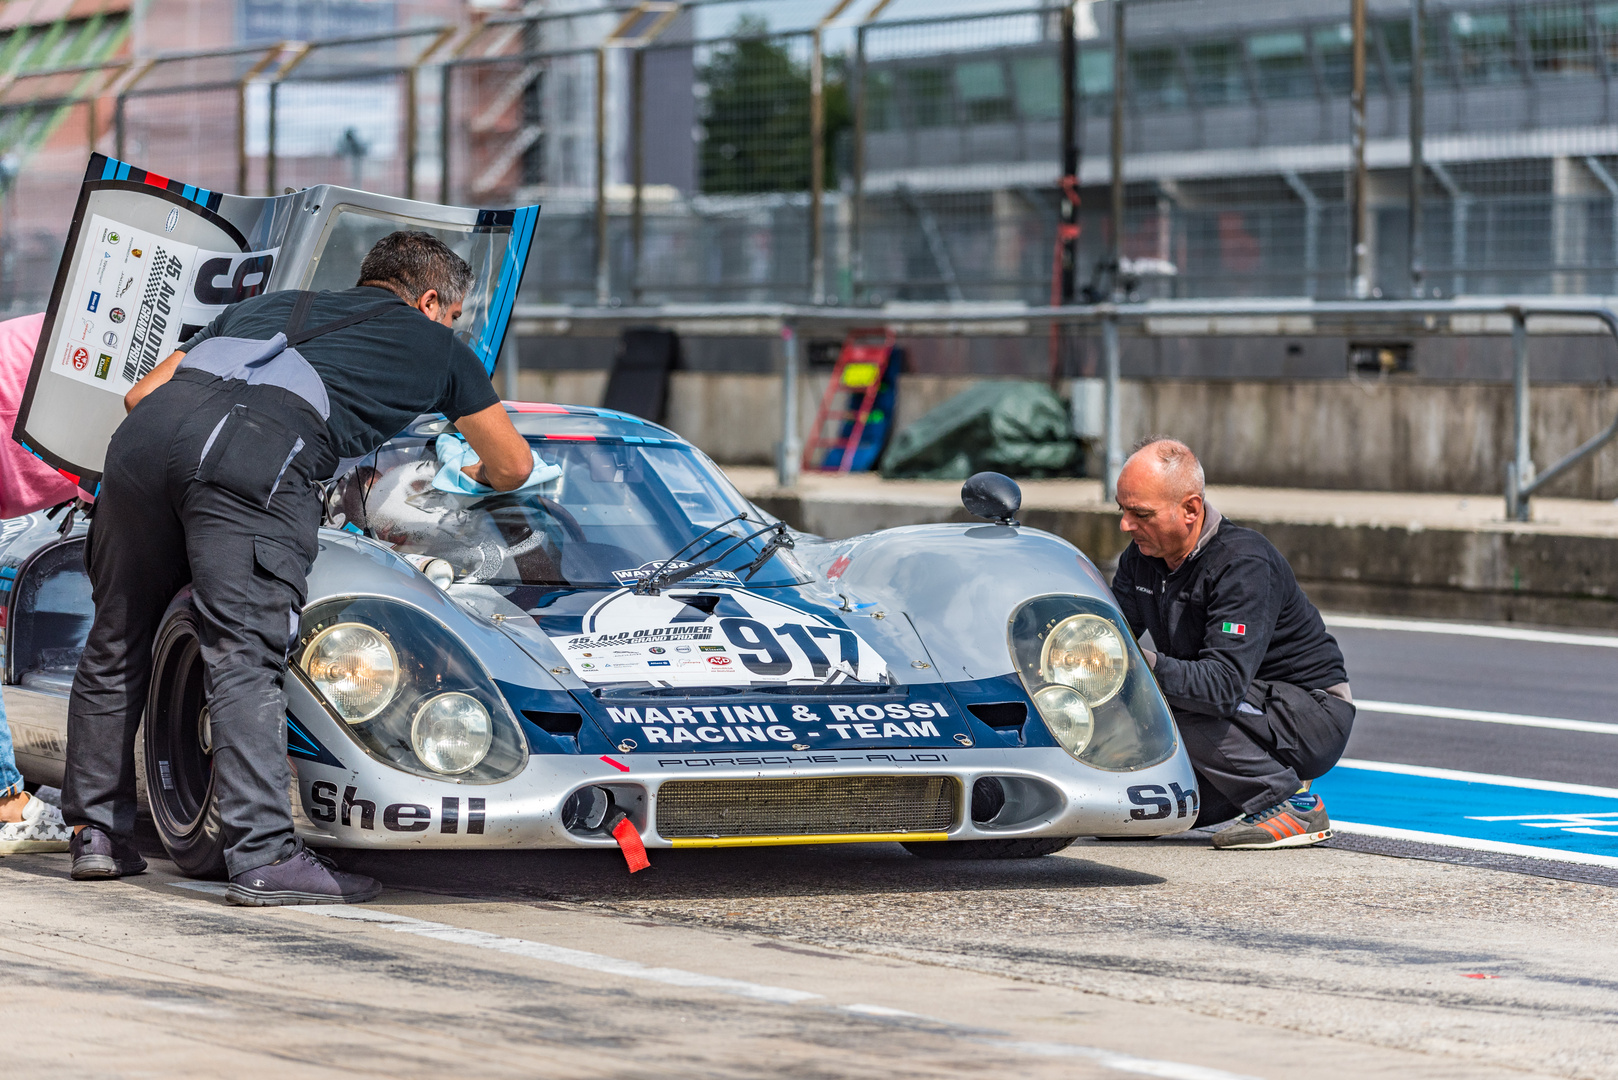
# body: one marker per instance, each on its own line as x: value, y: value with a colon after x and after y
x: 209, y: 481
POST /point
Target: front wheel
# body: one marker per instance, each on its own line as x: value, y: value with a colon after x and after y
x: 178, y: 745
x: 1028, y: 848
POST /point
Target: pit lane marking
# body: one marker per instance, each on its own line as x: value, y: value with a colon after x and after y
x: 1467, y: 843
x: 1439, y: 712
x: 1478, y: 778
x: 611, y: 965
x: 1482, y: 630
x: 556, y: 954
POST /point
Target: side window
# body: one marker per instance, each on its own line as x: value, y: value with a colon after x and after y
x: 51, y: 617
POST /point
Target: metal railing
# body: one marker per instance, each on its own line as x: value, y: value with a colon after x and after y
x: 1157, y: 318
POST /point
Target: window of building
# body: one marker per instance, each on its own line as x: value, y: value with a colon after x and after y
x: 1216, y: 69
x: 1486, y: 47
x: 1334, y: 45
x: 1095, y: 79
x: 1037, y: 83
x: 1559, y: 40
x: 927, y: 95
x: 981, y: 89
x: 1154, y: 76
x: 1281, y: 64
x: 881, y: 103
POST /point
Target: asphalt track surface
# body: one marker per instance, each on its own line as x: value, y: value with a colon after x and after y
x: 1163, y: 959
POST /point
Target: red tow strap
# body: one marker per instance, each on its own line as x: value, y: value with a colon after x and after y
x: 628, y: 838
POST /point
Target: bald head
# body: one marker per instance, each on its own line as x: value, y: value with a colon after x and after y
x: 1160, y: 492
x: 1171, y: 462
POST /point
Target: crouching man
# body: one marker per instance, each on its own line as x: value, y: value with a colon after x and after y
x: 1257, y: 685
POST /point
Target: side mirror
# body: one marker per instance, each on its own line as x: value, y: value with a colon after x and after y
x: 992, y: 495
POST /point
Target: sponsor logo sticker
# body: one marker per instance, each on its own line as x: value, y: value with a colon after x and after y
x: 116, y: 314
x: 711, y: 648
x: 1237, y: 628
x: 657, y: 663
x: 657, y: 650
x: 81, y: 359
x: 103, y: 365
x: 95, y: 301
x: 109, y: 339
x: 719, y: 661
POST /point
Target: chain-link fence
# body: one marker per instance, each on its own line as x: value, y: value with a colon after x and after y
x: 685, y: 151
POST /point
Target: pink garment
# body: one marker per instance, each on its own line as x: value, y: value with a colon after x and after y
x: 26, y: 483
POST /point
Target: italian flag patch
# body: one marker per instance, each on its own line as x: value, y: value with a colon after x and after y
x: 1237, y: 628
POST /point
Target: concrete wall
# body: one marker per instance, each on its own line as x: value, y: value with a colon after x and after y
x: 1373, y: 435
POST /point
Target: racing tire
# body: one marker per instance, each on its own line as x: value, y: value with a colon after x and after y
x: 179, y: 772
x: 1028, y: 848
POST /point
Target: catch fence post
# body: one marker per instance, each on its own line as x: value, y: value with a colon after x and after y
x: 789, y: 453
x: 1114, y: 434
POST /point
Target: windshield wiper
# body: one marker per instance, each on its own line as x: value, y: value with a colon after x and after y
x: 664, y: 565
x: 781, y: 539
x: 663, y: 577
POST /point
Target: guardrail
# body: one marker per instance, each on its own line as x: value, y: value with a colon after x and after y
x: 1153, y: 318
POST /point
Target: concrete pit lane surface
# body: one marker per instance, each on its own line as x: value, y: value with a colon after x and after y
x: 1161, y: 958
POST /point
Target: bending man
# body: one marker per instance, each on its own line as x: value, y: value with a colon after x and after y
x: 1257, y: 685
x: 211, y: 480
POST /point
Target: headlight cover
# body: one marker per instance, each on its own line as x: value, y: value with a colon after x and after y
x: 354, y: 668
x: 1089, y: 683
x: 451, y: 733
x: 443, y: 718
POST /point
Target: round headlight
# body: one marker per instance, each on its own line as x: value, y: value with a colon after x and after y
x: 1067, y: 715
x: 1087, y: 653
x: 355, y: 668
x: 451, y: 733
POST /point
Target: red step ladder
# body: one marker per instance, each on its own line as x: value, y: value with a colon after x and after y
x: 861, y: 367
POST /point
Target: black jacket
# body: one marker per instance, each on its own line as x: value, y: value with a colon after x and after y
x: 1230, y: 614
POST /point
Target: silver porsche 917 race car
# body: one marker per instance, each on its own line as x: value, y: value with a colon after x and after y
x: 634, y: 642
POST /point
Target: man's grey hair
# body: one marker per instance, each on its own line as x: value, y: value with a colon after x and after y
x: 412, y: 263
x: 1179, y: 465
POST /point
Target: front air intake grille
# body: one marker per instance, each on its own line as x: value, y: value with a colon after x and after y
x: 840, y: 805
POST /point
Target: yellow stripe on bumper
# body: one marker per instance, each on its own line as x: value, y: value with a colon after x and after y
x: 778, y: 841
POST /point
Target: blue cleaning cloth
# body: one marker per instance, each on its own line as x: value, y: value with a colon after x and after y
x: 454, y: 455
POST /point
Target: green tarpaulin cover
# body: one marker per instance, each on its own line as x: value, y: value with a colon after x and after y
x: 1016, y: 428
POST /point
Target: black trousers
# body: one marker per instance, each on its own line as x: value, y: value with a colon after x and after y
x: 156, y: 528
x: 1249, y: 762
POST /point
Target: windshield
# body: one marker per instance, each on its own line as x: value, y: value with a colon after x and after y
x: 630, y: 496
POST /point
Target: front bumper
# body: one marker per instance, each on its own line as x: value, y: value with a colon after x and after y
x: 375, y: 806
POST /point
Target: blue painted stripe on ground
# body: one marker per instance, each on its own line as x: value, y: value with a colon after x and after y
x: 1564, y: 818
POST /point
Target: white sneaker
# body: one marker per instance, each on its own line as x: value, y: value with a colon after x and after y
x: 41, y: 829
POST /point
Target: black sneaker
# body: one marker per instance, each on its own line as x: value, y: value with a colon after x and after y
x: 99, y: 856
x: 301, y: 878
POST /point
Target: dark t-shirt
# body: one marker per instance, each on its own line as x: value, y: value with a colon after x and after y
x: 379, y: 374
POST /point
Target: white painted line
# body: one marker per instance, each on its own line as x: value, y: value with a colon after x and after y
x: 556, y: 954
x: 1127, y: 1063
x: 212, y: 888
x: 1439, y: 712
x: 610, y: 965
x: 1477, y: 777
x: 1469, y: 844
x: 1483, y: 630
